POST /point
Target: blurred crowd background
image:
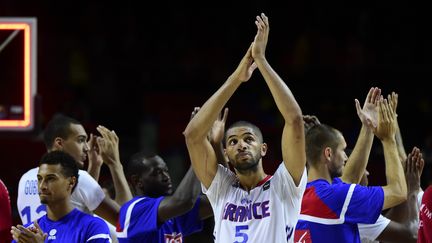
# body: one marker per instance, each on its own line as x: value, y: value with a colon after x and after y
x: 140, y: 68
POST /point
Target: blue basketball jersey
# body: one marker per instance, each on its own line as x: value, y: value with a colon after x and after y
x: 138, y: 222
x: 76, y: 226
x: 330, y: 212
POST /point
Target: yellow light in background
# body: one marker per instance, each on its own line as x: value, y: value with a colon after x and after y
x: 26, y: 122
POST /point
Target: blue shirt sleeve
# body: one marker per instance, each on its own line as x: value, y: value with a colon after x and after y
x: 366, y: 204
x: 190, y: 222
x: 98, y: 231
x: 362, y: 204
x: 144, y: 217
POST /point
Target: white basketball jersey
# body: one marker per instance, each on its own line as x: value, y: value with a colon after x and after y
x: 28, y: 202
x: 268, y: 213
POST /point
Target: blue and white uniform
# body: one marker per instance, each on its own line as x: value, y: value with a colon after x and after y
x: 138, y: 222
x: 76, y: 226
x: 331, y: 212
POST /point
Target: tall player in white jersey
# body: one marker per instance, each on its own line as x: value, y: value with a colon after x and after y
x: 251, y: 206
x: 67, y: 134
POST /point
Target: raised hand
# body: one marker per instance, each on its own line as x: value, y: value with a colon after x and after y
x: 94, y: 157
x: 369, y: 113
x: 217, y: 131
x: 386, y: 128
x: 108, y: 145
x: 414, y: 169
x: 261, y: 38
x: 246, y: 67
x: 393, y: 100
x: 109, y: 148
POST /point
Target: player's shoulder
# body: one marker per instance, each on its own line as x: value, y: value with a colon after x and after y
x: 337, y: 185
x: 85, y: 218
x: 141, y: 203
x: 143, y: 200
x: 84, y: 178
x: 89, y: 221
x: 83, y: 173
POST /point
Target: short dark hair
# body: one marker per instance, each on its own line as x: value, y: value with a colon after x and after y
x: 58, y: 126
x: 319, y: 137
x: 136, y: 164
x: 256, y: 130
x: 67, y: 162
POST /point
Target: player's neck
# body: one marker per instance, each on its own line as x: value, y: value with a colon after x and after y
x: 251, y: 180
x: 315, y: 173
x: 56, y: 211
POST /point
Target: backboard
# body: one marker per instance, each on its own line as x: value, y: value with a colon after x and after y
x: 17, y: 73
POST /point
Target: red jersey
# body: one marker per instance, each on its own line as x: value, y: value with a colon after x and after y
x: 425, y: 224
x: 5, y: 214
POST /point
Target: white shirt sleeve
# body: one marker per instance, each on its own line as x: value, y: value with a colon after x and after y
x: 223, y: 179
x: 372, y: 231
x: 88, y: 194
x: 419, y: 198
x: 285, y: 186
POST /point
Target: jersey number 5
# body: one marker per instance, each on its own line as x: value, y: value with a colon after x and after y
x: 243, y: 235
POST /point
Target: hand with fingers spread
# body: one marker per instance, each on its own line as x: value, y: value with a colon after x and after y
x: 369, y: 113
x: 357, y: 161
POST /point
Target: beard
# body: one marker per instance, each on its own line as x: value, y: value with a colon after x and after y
x: 334, y: 173
x: 247, y: 166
